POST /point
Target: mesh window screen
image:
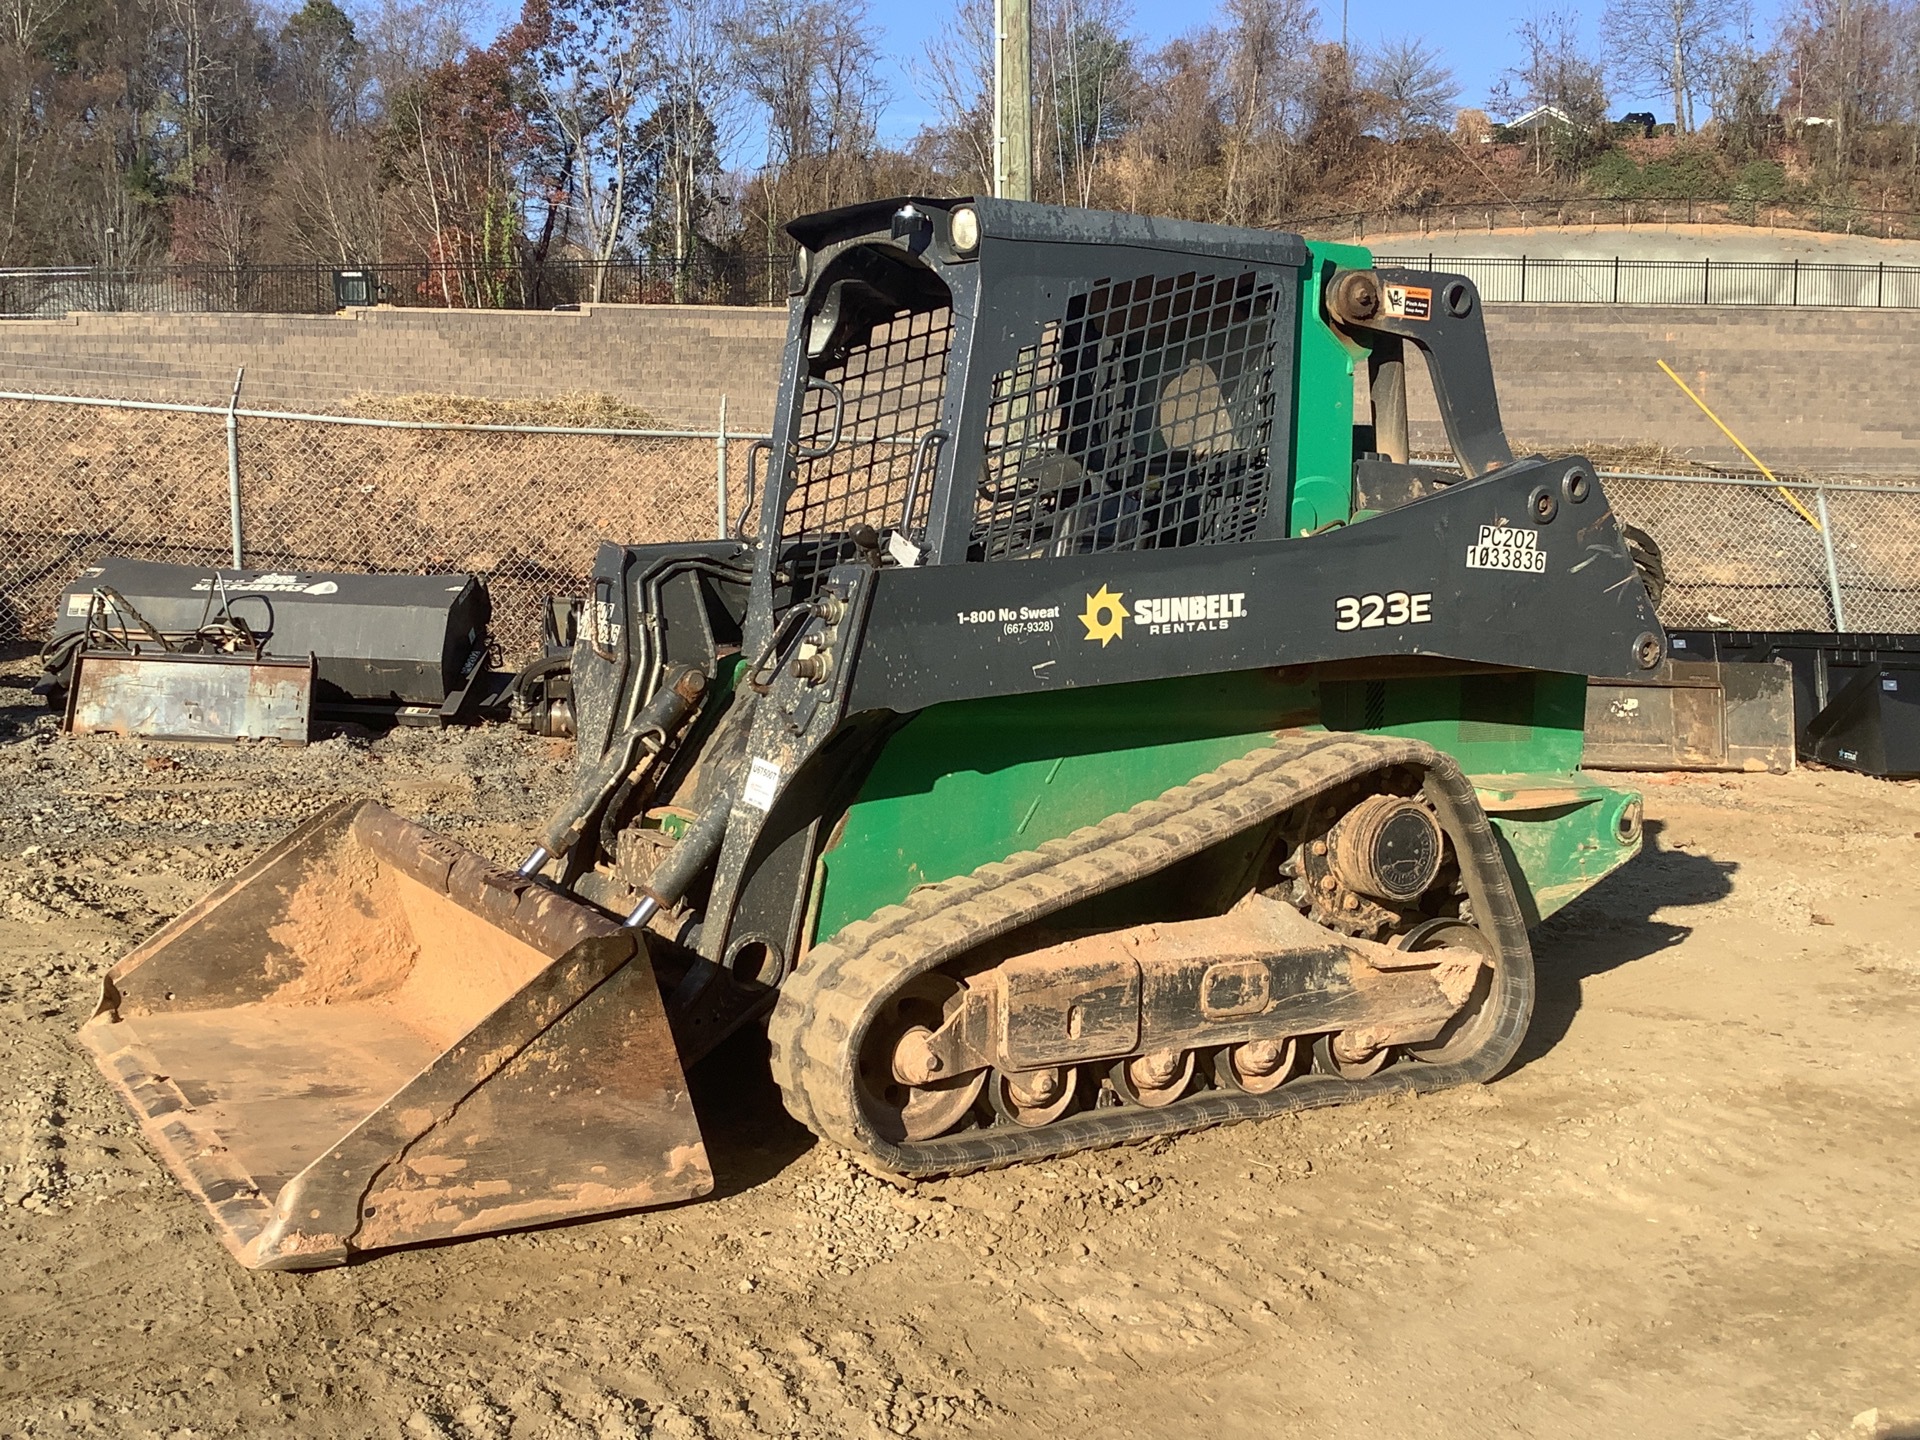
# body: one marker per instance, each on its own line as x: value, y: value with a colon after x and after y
x: 1140, y: 420
x: 867, y: 430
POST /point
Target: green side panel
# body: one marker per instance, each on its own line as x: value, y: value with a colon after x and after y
x: 961, y: 785
x: 1566, y: 850
x: 1323, y: 399
x: 1516, y: 735
x: 964, y: 784
x: 1493, y: 724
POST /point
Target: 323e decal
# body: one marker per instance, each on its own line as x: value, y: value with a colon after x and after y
x: 1376, y: 612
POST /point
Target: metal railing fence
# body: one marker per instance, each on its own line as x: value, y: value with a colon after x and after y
x: 1597, y: 212
x: 1532, y: 279
x: 42, y: 292
x: 761, y: 280
x: 525, y: 506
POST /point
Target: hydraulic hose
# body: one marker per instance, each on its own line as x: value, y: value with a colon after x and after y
x: 645, y: 737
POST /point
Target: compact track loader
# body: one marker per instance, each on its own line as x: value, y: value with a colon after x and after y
x: 1103, y: 732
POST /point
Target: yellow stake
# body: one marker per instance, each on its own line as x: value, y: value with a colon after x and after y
x: 1785, y: 494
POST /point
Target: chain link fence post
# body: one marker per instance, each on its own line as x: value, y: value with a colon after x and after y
x: 720, y: 472
x: 1833, y: 569
x: 233, y: 471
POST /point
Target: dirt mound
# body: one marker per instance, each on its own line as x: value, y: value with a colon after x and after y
x: 583, y: 408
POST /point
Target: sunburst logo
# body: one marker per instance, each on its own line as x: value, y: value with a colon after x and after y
x: 1105, y: 616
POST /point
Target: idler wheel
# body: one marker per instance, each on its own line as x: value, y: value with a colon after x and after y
x: 903, y: 1097
x: 1468, y: 1030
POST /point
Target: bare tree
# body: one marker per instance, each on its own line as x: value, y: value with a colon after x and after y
x: 454, y: 148
x: 955, y: 77
x: 1907, y: 83
x: 811, y: 66
x: 1841, y: 68
x: 851, y: 94
x: 1267, y: 44
x: 1085, y: 85
x: 320, y: 66
x: 218, y: 221
x: 591, y: 65
x: 1180, y: 102
x: 1413, y: 92
x: 1743, y: 87
x: 1337, y: 111
x: 1666, y: 42
x: 24, y: 22
x: 1560, y: 77
x: 699, y: 74
x: 121, y: 228
x: 781, y: 44
x: 326, y: 204
x: 213, y: 57
x: 406, y: 38
x: 1169, y: 162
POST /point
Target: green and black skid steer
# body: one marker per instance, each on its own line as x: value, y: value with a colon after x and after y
x: 1102, y: 730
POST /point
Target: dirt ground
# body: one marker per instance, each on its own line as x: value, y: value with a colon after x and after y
x: 1688, y: 1210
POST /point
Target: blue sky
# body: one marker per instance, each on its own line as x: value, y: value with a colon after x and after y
x: 1476, y: 41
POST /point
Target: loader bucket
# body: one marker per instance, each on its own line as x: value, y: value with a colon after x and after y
x: 371, y: 1038
x: 1693, y: 715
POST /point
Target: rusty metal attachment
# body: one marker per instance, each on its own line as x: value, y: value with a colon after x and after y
x: 168, y: 696
x: 1694, y: 715
x: 372, y: 1037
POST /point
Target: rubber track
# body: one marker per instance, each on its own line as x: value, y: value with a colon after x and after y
x: 824, y: 1009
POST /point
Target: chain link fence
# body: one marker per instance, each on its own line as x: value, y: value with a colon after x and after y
x: 526, y: 506
x: 522, y: 506
x: 1803, y: 555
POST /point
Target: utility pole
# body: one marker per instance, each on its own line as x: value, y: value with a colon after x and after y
x: 1013, y: 99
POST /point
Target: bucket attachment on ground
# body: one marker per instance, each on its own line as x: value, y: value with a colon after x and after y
x: 372, y: 1037
x: 1693, y: 715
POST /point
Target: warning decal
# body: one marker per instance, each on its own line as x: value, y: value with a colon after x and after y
x: 1409, y: 302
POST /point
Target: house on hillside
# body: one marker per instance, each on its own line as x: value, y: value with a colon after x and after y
x: 1541, y: 117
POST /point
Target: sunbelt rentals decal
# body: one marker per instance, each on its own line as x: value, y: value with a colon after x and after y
x: 1108, y: 613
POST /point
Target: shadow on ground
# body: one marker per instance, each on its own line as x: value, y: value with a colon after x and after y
x: 1615, y: 924
x: 20, y: 708
x: 750, y: 1136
